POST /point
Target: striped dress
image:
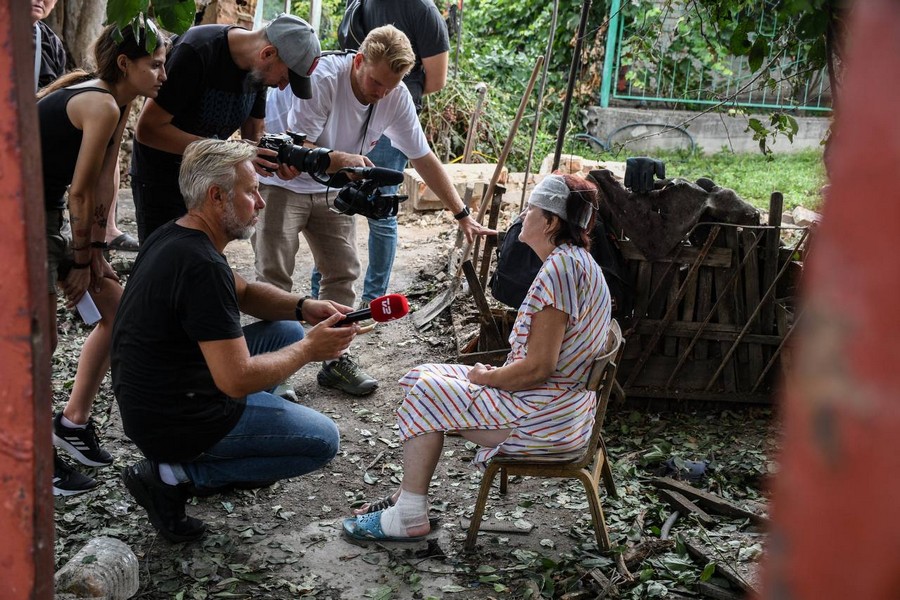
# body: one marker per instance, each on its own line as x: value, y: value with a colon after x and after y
x: 555, y: 417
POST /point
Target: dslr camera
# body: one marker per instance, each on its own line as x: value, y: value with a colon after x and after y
x: 362, y: 196
x: 290, y: 150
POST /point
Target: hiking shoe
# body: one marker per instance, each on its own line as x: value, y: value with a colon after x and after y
x: 287, y: 392
x: 82, y: 444
x: 67, y: 481
x: 345, y: 375
x: 164, y: 503
x: 366, y: 325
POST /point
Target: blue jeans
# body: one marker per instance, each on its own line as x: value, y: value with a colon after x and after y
x: 382, y: 232
x: 274, y: 439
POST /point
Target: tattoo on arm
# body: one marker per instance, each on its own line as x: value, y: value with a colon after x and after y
x: 99, y: 218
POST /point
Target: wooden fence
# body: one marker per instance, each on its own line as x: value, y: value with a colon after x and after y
x: 712, y: 320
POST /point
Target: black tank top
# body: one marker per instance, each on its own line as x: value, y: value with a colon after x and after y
x: 60, y: 143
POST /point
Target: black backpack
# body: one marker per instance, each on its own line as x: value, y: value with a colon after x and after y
x: 518, y: 265
x: 352, y: 28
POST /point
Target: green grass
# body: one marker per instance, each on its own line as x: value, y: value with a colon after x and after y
x: 798, y: 176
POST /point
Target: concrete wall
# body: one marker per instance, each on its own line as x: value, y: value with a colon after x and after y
x: 644, y: 130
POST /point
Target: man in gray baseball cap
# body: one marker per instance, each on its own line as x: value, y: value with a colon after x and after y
x: 298, y: 47
x: 217, y: 80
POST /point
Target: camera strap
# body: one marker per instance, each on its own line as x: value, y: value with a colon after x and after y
x: 362, y: 142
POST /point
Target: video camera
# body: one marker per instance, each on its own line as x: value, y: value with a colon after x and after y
x: 362, y: 196
x: 290, y: 149
x: 358, y: 196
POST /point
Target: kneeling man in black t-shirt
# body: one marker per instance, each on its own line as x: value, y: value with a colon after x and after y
x: 188, y: 377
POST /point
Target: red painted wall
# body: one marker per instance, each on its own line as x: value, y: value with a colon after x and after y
x: 26, y: 503
x: 836, y: 529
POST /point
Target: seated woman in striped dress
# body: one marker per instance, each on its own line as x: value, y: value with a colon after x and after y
x: 536, y: 403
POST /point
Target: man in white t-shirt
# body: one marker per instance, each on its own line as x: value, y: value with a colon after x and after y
x: 357, y: 97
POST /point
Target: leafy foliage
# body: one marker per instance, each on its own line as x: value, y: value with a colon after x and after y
x: 172, y: 15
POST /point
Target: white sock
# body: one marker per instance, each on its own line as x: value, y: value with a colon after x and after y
x: 167, y: 474
x: 411, y: 510
x: 70, y: 424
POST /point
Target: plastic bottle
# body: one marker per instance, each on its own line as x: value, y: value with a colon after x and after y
x: 104, y: 568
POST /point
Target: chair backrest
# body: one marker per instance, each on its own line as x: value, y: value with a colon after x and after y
x: 601, y: 379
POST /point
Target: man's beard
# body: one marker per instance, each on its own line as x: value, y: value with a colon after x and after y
x: 257, y: 80
x: 234, y: 228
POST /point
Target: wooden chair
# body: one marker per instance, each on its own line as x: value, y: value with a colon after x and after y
x: 589, y: 465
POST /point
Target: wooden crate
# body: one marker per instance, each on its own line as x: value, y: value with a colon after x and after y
x: 712, y: 319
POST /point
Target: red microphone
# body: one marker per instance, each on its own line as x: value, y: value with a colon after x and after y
x: 382, y: 309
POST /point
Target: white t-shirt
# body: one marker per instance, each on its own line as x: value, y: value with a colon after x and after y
x: 334, y: 118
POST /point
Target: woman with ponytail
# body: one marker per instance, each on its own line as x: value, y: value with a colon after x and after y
x: 82, y: 117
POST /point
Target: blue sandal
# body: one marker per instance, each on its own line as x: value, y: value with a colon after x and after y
x: 367, y: 528
x: 388, y: 501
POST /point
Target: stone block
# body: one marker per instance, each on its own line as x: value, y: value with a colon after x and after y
x: 422, y: 198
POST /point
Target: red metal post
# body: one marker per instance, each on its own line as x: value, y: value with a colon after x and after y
x: 836, y: 528
x: 26, y: 503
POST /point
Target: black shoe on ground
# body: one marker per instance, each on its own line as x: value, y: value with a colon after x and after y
x: 200, y: 492
x: 164, y: 503
x: 82, y: 444
x: 67, y: 481
x: 346, y: 375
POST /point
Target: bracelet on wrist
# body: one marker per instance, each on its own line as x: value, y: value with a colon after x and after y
x: 298, y: 310
x: 101, y: 245
x: 462, y: 214
x: 78, y: 265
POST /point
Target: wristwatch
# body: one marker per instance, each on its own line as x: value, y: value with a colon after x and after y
x: 462, y: 214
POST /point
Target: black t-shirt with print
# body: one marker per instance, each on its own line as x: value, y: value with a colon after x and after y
x: 206, y: 94
x: 180, y: 292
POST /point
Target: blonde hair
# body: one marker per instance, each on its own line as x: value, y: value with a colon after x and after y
x: 207, y: 163
x: 391, y: 45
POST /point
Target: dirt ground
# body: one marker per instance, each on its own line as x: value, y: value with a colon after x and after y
x: 285, y: 542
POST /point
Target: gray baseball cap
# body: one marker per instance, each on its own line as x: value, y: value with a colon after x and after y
x: 298, y: 47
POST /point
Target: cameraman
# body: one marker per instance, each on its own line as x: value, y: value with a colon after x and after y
x: 217, y: 81
x: 359, y: 97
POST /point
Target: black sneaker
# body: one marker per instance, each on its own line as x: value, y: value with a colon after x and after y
x: 82, y: 444
x: 164, y: 503
x: 345, y: 374
x: 67, y: 481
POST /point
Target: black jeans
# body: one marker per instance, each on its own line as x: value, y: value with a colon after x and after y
x: 155, y: 204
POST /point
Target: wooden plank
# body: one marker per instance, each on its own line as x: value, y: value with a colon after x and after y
x: 724, y: 314
x: 689, y: 305
x: 490, y: 242
x: 712, y: 331
x: 717, y: 257
x: 704, y: 304
x: 742, y: 381
x: 715, y: 592
x: 698, y: 554
x: 751, y: 289
x: 497, y: 526
x: 678, y: 501
x: 642, y: 289
x: 670, y: 344
x: 661, y: 393
x: 707, y: 500
x: 770, y: 259
x: 488, y: 326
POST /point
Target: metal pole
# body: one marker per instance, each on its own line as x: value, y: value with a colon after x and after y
x: 573, y: 73
x: 540, y: 100
x: 612, y: 33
